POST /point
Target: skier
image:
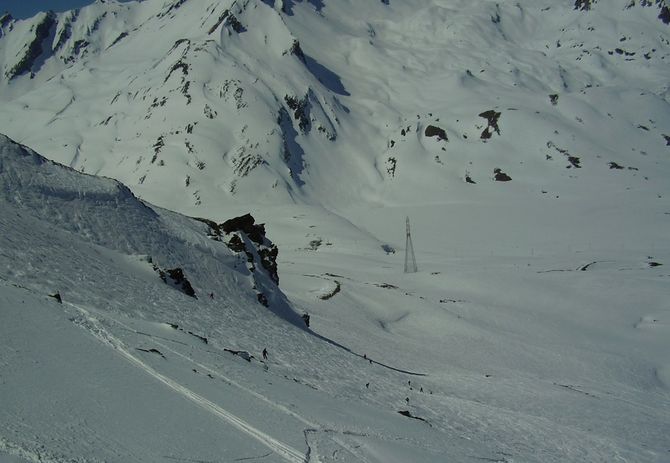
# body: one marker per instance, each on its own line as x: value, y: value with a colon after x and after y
x: 265, y: 354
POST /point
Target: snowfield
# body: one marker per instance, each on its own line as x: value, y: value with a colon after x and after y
x: 527, y: 142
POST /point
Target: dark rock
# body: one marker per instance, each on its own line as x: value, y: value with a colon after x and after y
x: 269, y: 262
x: 177, y: 279
x: 178, y: 65
x: 667, y: 139
x: 267, y: 251
x: 246, y: 224
x: 391, y: 164
x: 296, y: 50
x: 56, y: 296
x: 492, y: 118
x: 553, y: 98
x: 408, y: 414
x: 223, y: 16
x: 236, y: 244
x: 614, y: 165
x: 300, y: 109
x: 234, y: 23
x: 151, y: 351
x: 574, y: 161
x: 263, y: 299
x: 583, y: 5
x: 175, y: 5
x: 202, y: 338
x: 305, y: 317
x: 664, y: 15
x: 500, y: 176
x: 434, y: 131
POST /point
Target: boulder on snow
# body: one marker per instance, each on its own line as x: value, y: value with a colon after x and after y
x: 500, y: 176
x: 434, y: 131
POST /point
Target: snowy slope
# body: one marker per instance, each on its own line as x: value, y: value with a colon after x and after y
x: 549, y: 357
x: 536, y: 329
x: 199, y: 105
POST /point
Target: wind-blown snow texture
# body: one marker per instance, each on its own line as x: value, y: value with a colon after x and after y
x: 529, y: 142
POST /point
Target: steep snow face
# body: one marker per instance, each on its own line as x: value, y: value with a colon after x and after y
x: 135, y: 244
x: 198, y: 106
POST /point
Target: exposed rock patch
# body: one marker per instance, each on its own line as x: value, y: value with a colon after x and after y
x: 175, y: 277
x: 492, y: 118
x: 434, y: 131
x: 500, y: 176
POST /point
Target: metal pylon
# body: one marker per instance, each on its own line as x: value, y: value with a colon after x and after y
x: 410, y: 260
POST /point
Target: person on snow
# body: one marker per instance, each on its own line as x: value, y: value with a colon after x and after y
x: 265, y: 354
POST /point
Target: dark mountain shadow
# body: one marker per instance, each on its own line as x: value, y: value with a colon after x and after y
x: 294, y: 155
x: 289, y: 4
x: 327, y: 77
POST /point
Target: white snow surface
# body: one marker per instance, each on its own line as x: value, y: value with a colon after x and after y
x: 536, y: 330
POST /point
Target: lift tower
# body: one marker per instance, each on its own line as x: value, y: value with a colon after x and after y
x: 410, y: 260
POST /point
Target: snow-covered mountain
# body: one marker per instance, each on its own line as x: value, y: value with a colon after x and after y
x: 199, y: 105
x: 528, y: 141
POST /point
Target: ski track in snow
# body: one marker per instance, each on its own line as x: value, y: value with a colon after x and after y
x: 285, y: 451
x: 311, y: 426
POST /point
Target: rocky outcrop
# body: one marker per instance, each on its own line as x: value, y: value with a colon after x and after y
x: 492, y: 118
x: 175, y: 277
x: 434, y: 131
x: 500, y: 176
x: 300, y: 108
x: 245, y: 226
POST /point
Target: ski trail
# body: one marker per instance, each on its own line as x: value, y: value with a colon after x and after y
x: 288, y: 453
x: 312, y: 427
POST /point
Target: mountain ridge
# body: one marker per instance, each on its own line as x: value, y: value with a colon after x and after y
x: 242, y: 108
